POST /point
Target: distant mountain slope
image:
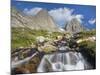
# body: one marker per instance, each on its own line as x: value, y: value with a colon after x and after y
x: 74, y: 26
x: 41, y: 21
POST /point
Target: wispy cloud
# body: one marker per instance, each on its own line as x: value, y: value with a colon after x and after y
x: 60, y: 15
x: 64, y: 15
x: 32, y: 11
x: 79, y: 17
x: 92, y: 21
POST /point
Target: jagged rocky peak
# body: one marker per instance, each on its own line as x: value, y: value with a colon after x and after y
x: 43, y: 12
x: 41, y: 21
x: 73, y: 26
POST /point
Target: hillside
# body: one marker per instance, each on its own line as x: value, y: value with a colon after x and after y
x: 41, y: 21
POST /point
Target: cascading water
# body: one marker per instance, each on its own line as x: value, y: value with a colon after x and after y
x: 63, y: 59
x: 63, y: 62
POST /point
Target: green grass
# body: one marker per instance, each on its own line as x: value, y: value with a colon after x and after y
x: 88, y: 48
x: 86, y: 34
x: 24, y: 37
x: 21, y: 38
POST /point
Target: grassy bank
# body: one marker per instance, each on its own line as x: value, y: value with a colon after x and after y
x: 85, y: 34
x: 88, y: 49
x: 24, y: 37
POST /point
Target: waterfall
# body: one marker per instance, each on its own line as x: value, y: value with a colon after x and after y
x: 62, y: 62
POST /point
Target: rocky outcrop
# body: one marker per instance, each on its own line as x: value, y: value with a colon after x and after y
x: 74, y: 26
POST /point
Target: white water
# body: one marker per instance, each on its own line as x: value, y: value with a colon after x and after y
x: 62, y: 62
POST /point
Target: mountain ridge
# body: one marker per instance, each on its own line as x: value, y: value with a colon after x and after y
x: 42, y: 21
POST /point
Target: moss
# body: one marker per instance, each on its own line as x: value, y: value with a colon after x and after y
x: 88, y: 49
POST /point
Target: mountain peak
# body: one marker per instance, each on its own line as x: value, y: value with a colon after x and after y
x: 43, y: 11
x: 75, y: 20
x: 74, y: 26
x: 41, y: 21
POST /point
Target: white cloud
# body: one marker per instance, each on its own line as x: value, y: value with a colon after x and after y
x: 79, y: 17
x: 64, y: 15
x: 32, y: 11
x: 92, y: 21
x: 60, y: 15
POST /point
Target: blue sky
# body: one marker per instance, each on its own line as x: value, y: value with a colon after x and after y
x: 61, y: 13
